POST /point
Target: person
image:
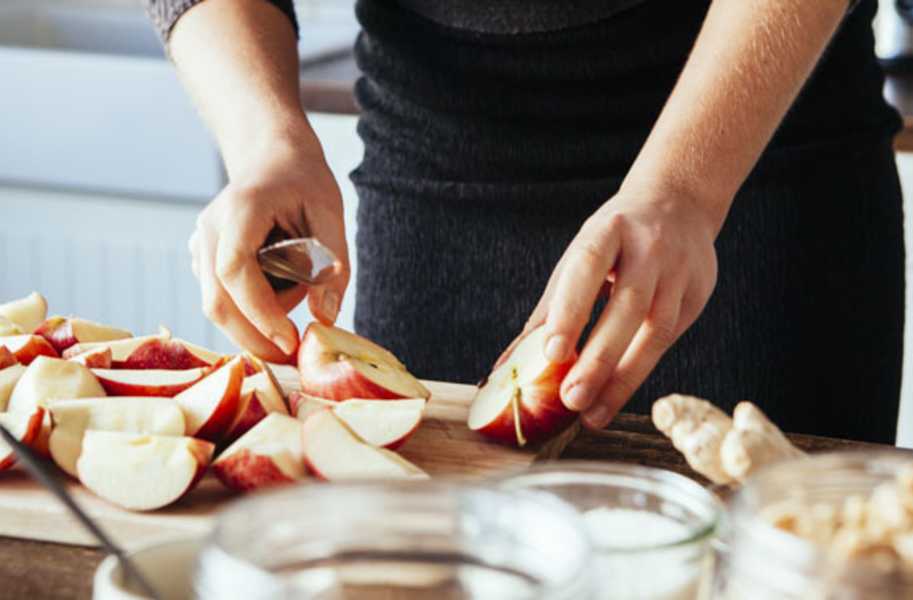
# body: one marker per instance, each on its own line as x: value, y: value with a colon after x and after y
x: 578, y: 165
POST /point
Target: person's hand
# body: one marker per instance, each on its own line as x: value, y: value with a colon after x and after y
x: 652, y: 252
x: 288, y: 185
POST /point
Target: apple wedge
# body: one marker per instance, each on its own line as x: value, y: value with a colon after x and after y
x: 332, y: 452
x: 270, y: 454
x: 27, y: 347
x: 7, y: 327
x: 7, y: 358
x: 120, y: 349
x: 140, y: 471
x: 71, y: 419
x: 381, y: 423
x: 338, y: 365
x: 63, y: 332
x: 26, y: 312
x: 304, y: 405
x: 49, y: 379
x: 9, y: 377
x: 211, y: 404
x: 99, y: 358
x: 520, y: 401
x: 260, y: 396
x: 25, y: 428
x: 148, y: 382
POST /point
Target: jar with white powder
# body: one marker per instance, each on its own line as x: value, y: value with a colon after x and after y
x: 651, y: 529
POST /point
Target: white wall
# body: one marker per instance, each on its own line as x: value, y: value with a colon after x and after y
x: 905, y: 422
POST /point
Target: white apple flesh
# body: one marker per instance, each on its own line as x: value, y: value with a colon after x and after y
x: 71, y: 419
x: 270, y: 454
x: 148, y: 382
x: 338, y: 365
x: 8, y: 379
x: 334, y: 453
x: 27, y: 348
x: 63, y: 332
x: 98, y: 358
x: 520, y: 401
x: 24, y: 427
x: 211, y: 404
x: 7, y: 327
x: 141, y: 472
x: 27, y: 313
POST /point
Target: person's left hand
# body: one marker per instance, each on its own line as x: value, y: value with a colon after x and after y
x: 654, y: 250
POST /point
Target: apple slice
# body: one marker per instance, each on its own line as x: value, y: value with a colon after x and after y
x: 270, y: 454
x: 27, y: 347
x: 338, y: 365
x: 7, y: 358
x: 334, y: 453
x: 50, y: 379
x: 98, y: 358
x: 26, y: 312
x: 304, y: 405
x: 9, y: 377
x: 147, y: 382
x: 141, y: 471
x: 25, y: 428
x: 520, y: 401
x: 120, y: 349
x: 7, y: 327
x: 382, y: 423
x: 63, y: 332
x: 260, y: 396
x: 71, y: 418
x: 211, y: 404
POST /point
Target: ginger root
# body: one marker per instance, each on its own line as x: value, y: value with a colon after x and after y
x: 722, y: 449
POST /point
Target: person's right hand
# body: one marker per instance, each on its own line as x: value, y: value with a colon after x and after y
x: 288, y: 185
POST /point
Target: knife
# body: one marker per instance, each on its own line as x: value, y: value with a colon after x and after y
x: 51, y: 481
x: 287, y: 261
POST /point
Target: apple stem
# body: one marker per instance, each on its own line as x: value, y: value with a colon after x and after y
x: 515, y: 405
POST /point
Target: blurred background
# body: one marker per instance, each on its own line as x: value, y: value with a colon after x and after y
x: 104, y: 164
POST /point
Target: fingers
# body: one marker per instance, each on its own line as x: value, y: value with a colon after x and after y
x: 582, y: 276
x: 626, y: 310
x: 327, y: 225
x: 240, y: 275
x: 657, y: 333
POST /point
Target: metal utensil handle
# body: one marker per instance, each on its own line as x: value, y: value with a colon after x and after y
x: 33, y: 465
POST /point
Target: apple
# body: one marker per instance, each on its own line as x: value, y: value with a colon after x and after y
x: 338, y: 365
x: 381, y: 423
x: 27, y: 347
x: 27, y: 313
x: 63, y: 332
x: 520, y: 401
x: 260, y: 396
x: 98, y: 358
x: 8, y: 379
x: 211, y: 404
x: 140, y: 414
x: 7, y: 358
x: 140, y: 471
x: 334, y: 453
x: 120, y: 349
x: 49, y: 379
x: 304, y: 405
x: 25, y: 427
x: 148, y: 382
x: 270, y: 454
x: 170, y: 354
x: 7, y: 327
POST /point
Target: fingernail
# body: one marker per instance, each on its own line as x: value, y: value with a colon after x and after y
x: 556, y: 348
x: 331, y: 304
x: 577, y: 397
x: 285, y: 344
x: 597, y: 417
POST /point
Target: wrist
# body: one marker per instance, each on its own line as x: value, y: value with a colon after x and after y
x: 269, y: 141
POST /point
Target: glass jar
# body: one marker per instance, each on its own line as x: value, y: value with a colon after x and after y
x: 650, y: 529
x: 760, y: 562
x: 403, y: 540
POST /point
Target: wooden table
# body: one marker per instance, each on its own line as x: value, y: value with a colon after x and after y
x: 32, y: 570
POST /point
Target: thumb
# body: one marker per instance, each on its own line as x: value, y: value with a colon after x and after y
x: 325, y: 300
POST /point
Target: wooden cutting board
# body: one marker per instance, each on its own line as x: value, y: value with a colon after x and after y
x: 442, y: 446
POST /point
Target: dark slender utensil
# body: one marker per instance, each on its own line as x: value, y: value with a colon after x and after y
x: 51, y: 481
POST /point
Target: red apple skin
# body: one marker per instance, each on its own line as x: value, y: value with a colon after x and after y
x: 398, y: 443
x: 119, y: 388
x: 542, y: 413
x: 161, y: 354
x: 29, y: 438
x: 221, y: 418
x: 340, y: 381
x: 7, y: 358
x: 33, y: 348
x: 94, y: 359
x: 251, y: 413
x: 244, y: 471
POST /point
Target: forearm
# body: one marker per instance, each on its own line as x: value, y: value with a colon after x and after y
x: 747, y: 66
x: 239, y: 61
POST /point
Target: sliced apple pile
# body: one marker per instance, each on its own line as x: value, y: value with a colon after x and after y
x: 139, y: 471
x: 148, y: 382
x: 71, y: 419
x: 157, y: 351
x: 260, y: 396
x: 337, y: 365
x: 334, y: 453
x: 24, y: 427
x: 25, y: 313
x: 270, y: 454
x: 63, y: 332
x: 520, y: 401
